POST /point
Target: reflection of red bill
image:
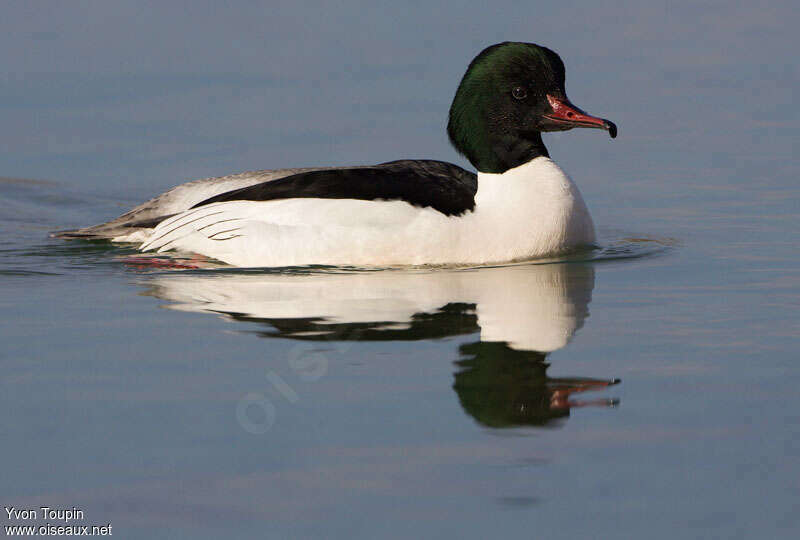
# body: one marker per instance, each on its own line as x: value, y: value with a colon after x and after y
x: 560, y: 393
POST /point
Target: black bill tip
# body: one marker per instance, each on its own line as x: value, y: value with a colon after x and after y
x: 611, y: 127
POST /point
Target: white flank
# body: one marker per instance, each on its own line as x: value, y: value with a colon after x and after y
x: 533, y: 210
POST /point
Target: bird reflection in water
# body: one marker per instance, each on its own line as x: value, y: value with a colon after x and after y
x: 521, y: 313
x: 502, y: 387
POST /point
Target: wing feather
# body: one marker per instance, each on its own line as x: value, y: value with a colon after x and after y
x: 183, y: 225
x: 445, y: 187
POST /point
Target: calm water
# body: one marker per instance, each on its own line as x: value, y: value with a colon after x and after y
x: 648, y: 389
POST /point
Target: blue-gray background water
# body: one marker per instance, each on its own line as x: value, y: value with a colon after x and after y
x: 333, y: 403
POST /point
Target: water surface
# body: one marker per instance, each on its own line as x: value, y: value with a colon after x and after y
x: 646, y: 389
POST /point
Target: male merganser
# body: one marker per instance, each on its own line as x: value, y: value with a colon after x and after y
x: 520, y: 205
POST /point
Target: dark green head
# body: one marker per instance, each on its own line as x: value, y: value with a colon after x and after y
x: 510, y: 93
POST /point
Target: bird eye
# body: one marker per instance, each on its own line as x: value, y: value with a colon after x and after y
x: 519, y: 92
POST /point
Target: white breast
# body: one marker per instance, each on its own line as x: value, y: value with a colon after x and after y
x: 530, y: 211
x: 533, y: 210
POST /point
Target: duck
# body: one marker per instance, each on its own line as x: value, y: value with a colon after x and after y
x: 518, y: 205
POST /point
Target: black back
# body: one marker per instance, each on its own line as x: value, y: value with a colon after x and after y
x: 445, y: 187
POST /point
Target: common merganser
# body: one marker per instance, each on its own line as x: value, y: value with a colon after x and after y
x: 520, y: 204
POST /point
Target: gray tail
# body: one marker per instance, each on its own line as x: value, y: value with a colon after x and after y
x: 107, y: 231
